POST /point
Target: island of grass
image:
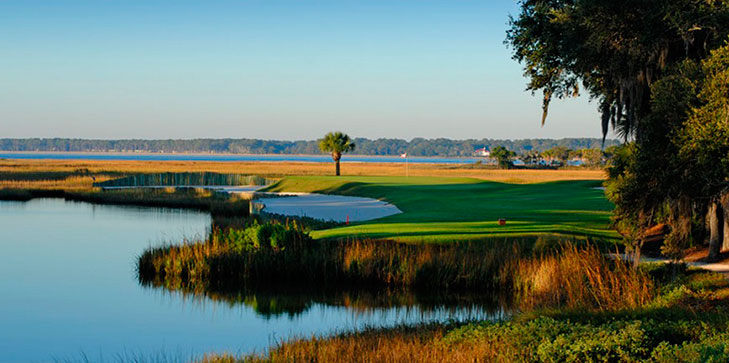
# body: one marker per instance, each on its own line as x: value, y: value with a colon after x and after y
x: 437, y: 209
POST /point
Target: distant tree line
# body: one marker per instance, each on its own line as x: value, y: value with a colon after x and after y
x: 414, y: 147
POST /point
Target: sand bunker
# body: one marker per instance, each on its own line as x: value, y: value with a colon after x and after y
x: 327, y: 207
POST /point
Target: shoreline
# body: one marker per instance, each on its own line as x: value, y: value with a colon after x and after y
x: 149, y: 153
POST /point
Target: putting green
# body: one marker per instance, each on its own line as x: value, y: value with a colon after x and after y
x: 441, y: 209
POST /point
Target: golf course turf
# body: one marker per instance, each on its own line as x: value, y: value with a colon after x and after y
x: 448, y: 209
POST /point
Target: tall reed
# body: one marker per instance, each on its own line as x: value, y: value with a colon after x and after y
x: 580, y: 277
x: 217, y: 264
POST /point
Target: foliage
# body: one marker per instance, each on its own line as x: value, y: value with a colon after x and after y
x: 686, y: 323
x: 704, y: 144
x: 336, y: 143
x: 272, y: 254
x: 414, y: 147
x: 503, y: 156
x: 559, y: 153
x: 592, y: 157
x: 266, y: 236
x: 682, y: 162
x: 656, y: 71
x: 616, y: 50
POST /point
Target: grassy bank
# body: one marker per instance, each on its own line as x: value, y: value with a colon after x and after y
x: 233, y: 259
x: 536, y: 272
x: 218, y: 204
x: 684, y: 321
x: 447, y: 209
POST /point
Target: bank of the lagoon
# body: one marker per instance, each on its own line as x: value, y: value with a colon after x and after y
x: 70, y: 288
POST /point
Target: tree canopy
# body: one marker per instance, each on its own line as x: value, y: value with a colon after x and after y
x: 658, y: 73
x: 336, y: 143
x: 613, y: 49
x: 415, y: 147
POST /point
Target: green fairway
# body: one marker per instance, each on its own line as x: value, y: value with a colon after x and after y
x: 442, y: 209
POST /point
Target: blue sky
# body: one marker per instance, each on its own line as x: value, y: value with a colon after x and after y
x: 269, y: 69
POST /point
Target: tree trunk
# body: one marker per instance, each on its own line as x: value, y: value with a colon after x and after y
x: 636, y: 255
x: 725, y: 208
x: 336, y: 162
x: 716, y: 226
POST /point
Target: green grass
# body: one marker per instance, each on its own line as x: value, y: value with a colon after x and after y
x: 446, y: 209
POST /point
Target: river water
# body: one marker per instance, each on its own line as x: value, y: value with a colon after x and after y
x: 68, y: 289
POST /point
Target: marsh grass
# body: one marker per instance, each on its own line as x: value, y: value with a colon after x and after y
x: 216, y: 265
x: 220, y: 205
x: 685, y: 322
x: 580, y: 277
x: 184, y: 179
x: 537, y: 272
x: 50, y: 169
x: 217, y: 203
x: 576, y: 304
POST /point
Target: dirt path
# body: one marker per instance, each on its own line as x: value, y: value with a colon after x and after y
x: 718, y: 267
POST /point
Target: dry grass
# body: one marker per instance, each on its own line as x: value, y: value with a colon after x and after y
x: 50, y: 173
x: 581, y: 278
x: 403, y: 344
x: 220, y: 265
x: 70, y: 183
x: 575, y: 279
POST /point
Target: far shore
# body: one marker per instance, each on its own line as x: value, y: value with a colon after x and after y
x: 225, y: 154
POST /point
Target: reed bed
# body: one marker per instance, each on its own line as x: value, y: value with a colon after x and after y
x: 216, y: 265
x: 222, y: 206
x: 687, y: 322
x: 536, y: 273
x: 72, y: 183
x: 578, y: 304
x: 184, y: 179
x: 119, y: 168
x: 218, y: 204
x: 580, y: 277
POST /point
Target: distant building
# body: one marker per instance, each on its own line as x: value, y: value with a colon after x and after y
x: 484, y: 151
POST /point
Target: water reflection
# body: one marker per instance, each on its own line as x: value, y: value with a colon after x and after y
x: 69, y: 285
x: 378, y: 307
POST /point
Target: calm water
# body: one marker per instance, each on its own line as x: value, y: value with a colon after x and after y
x: 214, y: 157
x: 68, y: 287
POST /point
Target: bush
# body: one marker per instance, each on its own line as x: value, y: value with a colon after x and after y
x: 267, y: 236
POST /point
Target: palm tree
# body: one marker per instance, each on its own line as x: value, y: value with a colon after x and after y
x: 336, y: 143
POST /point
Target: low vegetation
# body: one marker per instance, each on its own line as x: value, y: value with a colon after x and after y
x: 416, y: 147
x: 684, y: 321
x: 218, y: 204
x: 273, y: 253
x: 81, y: 174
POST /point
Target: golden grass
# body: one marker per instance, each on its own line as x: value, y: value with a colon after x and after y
x: 580, y: 278
x: 71, y: 183
x: 404, y: 344
x: 103, y: 168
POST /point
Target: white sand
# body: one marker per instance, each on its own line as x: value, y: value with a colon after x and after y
x: 319, y: 206
x: 328, y: 207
